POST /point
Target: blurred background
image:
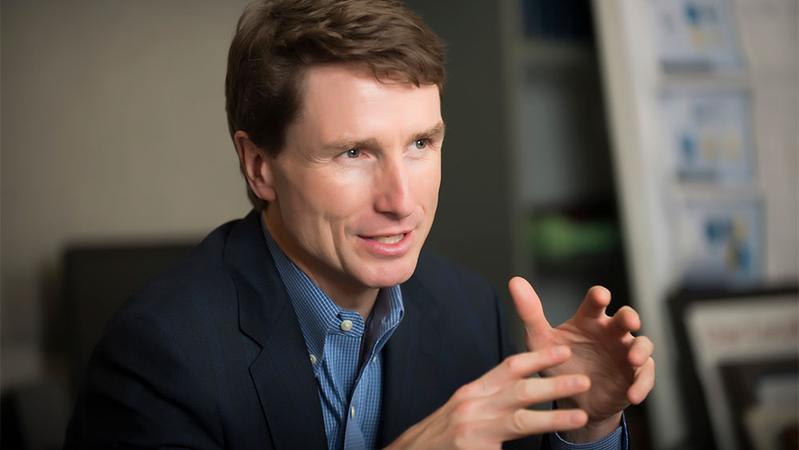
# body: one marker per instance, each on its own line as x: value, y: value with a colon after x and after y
x: 651, y: 146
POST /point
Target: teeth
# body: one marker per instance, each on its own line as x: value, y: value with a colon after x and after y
x: 389, y: 239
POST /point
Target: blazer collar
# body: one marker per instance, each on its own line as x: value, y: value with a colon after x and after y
x: 281, y: 372
x: 410, y: 361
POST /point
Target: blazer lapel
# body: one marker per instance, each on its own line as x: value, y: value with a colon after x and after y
x: 281, y: 372
x: 410, y: 363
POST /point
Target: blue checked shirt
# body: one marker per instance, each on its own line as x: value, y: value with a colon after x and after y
x: 346, y: 355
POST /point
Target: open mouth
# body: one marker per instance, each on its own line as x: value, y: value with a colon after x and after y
x: 392, y: 239
x: 396, y: 244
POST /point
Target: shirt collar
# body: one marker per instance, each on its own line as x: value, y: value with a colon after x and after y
x: 318, y: 315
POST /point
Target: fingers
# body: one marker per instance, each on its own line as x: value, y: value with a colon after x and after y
x: 528, y: 306
x: 643, y: 382
x: 594, y: 303
x: 640, y: 350
x: 626, y: 320
x: 517, y: 367
x: 531, y: 391
x: 524, y: 422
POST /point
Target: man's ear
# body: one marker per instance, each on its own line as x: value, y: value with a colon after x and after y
x: 256, y: 166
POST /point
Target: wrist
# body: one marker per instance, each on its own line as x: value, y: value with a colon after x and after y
x: 594, y: 430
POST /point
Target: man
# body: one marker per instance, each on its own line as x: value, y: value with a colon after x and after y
x: 317, y: 321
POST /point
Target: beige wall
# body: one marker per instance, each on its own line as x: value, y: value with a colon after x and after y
x: 113, y: 128
x: 769, y: 32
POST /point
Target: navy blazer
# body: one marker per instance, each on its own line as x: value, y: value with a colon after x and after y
x: 210, y: 355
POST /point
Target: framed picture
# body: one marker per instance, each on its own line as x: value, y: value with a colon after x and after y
x: 710, y: 133
x: 696, y: 35
x: 739, y: 365
x: 720, y: 239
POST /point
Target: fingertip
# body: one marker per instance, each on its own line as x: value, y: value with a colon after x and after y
x: 633, y: 396
x: 633, y: 320
x: 640, y: 351
x: 583, y: 383
x: 520, y: 289
x: 578, y: 418
x: 643, y: 384
x: 626, y: 320
x: 635, y: 358
x: 600, y: 293
x: 516, y: 279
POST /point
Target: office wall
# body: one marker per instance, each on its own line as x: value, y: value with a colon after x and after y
x: 473, y: 224
x: 113, y: 129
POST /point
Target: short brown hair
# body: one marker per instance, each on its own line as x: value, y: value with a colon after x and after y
x: 276, y: 39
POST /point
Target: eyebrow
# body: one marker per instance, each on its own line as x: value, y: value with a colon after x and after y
x: 436, y: 131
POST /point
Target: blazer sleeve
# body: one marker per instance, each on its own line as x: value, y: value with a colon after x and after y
x: 142, y: 389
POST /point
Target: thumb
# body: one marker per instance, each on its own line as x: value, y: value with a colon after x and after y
x: 528, y: 307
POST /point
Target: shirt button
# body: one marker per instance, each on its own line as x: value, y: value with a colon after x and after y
x: 346, y: 325
x: 352, y: 411
x: 313, y: 359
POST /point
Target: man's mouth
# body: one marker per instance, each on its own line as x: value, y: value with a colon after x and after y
x: 393, y: 239
x: 391, y: 244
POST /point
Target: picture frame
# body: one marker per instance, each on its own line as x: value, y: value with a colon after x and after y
x: 720, y: 238
x: 738, y: 363
x: 696, y: 35
x: 710, y: 133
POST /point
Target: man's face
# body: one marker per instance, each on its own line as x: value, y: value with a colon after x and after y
x: 356, y: 185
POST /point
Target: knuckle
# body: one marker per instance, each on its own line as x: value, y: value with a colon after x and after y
x: 512, y: 363
x: 521, y: 391
x: 466, y: 391
x: 571, y: 384
x: 518, y: 421
x: 518, y: 365
x: 528, y: 390
x: 464, y: 411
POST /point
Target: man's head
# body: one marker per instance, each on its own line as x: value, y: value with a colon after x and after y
x: 334, y: 108
x: 276, y: 41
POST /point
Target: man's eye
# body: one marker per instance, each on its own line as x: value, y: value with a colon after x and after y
x: 353, y: 153
x: 420, y: 143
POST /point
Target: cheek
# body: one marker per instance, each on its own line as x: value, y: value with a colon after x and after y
x: 331, y: 197
x: 427, y: 181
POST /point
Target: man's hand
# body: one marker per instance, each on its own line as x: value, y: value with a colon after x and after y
x: 492, y: 409
x: 619, y: 365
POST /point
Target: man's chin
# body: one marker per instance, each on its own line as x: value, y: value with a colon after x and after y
x: 390, y: 276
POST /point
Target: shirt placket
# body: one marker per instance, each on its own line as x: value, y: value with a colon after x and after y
x: 351, y: 334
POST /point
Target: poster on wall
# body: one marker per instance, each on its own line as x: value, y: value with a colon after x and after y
x: 710, y: 134
x: 696, y: 35
x: 721, y: 241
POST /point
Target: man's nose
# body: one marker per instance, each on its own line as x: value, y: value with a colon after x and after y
x: 394, y: 195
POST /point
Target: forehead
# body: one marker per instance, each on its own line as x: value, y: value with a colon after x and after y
x: 340, y: 99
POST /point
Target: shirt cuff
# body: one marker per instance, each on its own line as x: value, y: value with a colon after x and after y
x: 617, y: 440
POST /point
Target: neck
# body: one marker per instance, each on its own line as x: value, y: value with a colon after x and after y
x: 343, y: 292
